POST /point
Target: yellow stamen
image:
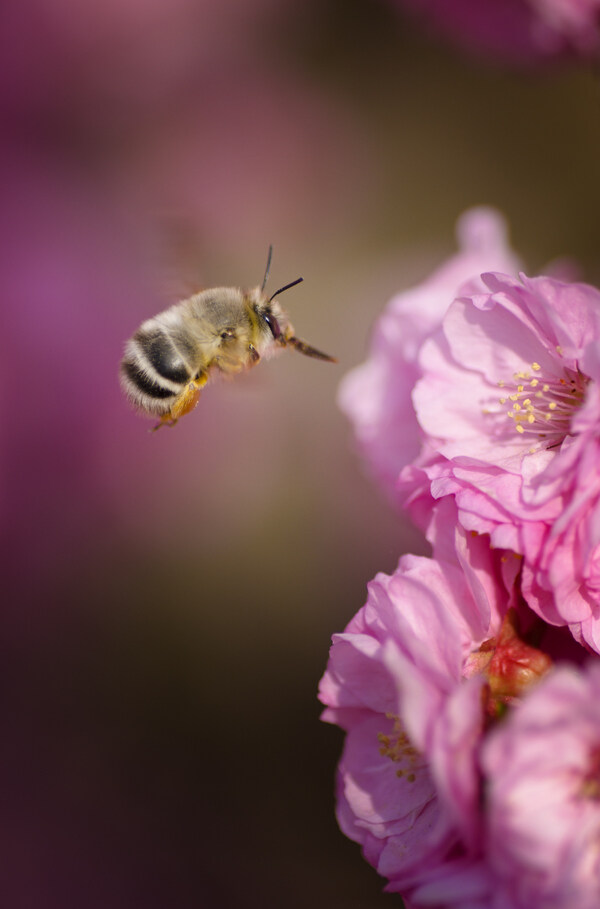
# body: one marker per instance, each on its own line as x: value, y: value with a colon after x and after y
x: 549, y: 404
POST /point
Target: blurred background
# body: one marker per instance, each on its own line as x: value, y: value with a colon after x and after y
x: 169, y: 598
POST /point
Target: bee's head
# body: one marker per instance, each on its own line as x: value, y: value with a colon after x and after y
x: 271, y: 314
x: 272, y: 319
x: 272, y: 322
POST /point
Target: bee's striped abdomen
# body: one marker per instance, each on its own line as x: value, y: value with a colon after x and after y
x: 155, y: 368
x: 163, y: 356
x: 144, y: 382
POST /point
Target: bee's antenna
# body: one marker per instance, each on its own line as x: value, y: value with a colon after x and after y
x: 309, y: 351
x: 287, y: 287
x: 268, y: 268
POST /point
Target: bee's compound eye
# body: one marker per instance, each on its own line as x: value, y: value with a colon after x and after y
x: 272, y: 323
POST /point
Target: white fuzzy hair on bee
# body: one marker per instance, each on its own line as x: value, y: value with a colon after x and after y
x: 220, y: 331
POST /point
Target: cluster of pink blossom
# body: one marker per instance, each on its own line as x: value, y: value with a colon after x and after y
x: 467, y: 683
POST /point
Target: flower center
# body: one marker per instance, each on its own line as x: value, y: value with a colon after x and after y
x: 509, y: 664
x: 542, y: 407
x: 397, y: 747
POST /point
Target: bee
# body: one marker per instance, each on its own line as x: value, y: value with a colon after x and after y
x: 220, y: 331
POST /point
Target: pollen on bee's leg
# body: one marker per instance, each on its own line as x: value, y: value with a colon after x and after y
x: 183, y: 404
x: 186, y: 401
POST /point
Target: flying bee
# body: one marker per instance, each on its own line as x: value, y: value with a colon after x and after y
x: 221, y: 331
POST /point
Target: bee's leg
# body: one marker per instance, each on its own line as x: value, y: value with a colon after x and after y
x: 184, y: 403
x: 165, y: 420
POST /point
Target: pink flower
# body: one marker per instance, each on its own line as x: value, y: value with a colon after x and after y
x: 376, y: 396
x: 395, y: 683
x: 516, y: 31
x: 542, y: 772
x: 509, y: 400
x: 419, y: 680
